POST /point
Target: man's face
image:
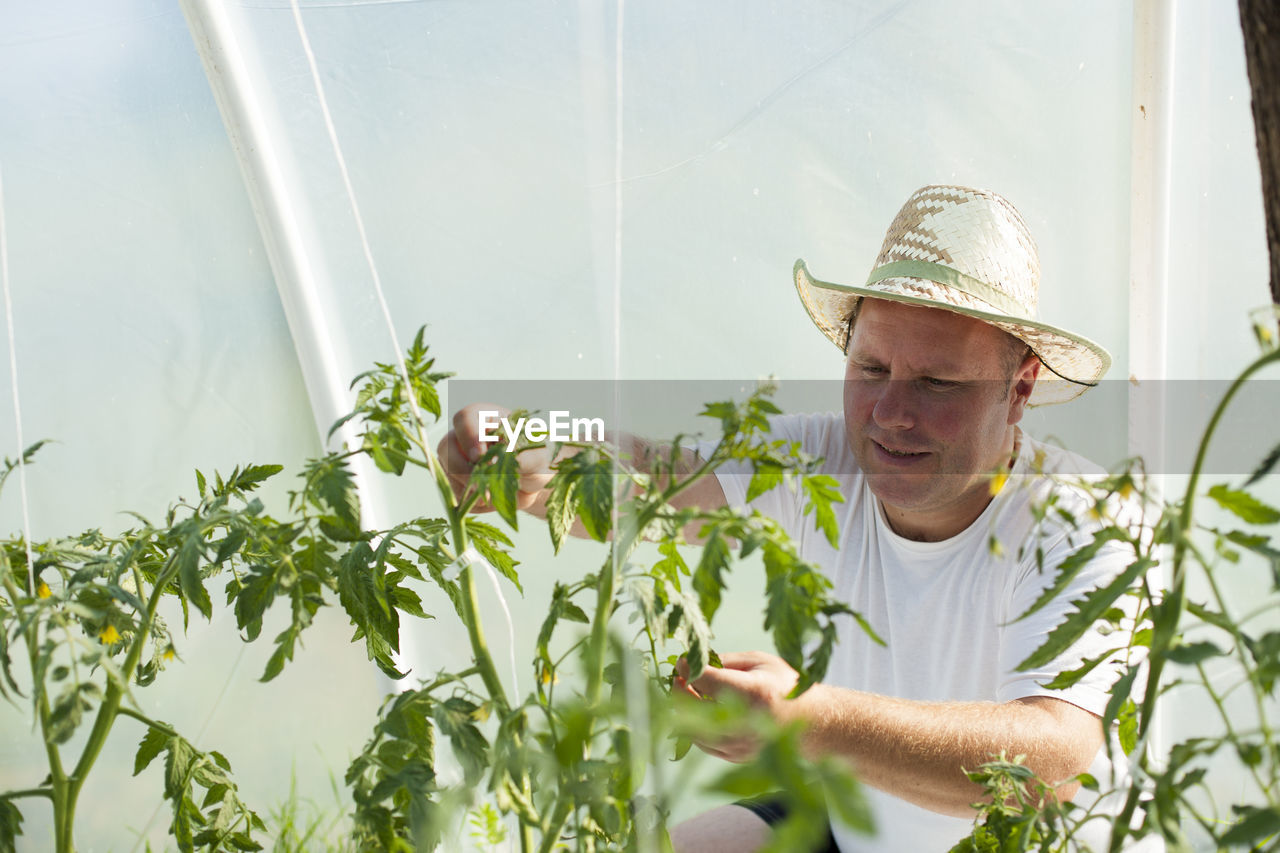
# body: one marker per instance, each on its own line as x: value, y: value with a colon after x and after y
x: 929, y: 410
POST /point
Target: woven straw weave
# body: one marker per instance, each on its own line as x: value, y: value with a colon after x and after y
x: 992, y: 272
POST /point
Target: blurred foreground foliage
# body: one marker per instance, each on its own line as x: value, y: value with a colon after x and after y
x: 565, y: 764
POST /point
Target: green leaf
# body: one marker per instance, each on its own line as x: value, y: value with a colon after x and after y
x: 152, y: 744
x: 1071, y: 566
x: 1211, y: 617
x: 456, y: 718
x: 486, y: 539
x: 822, y: 491
x: 189, y: 578
x: 560, y: 509
x: 1127, y: 730
x: 1119, y: 696
x: 1260, y: 545
x: 1065, y: 679
x: 594, y: 496
x: 1193, y: 653
x: 69, y: 709
x: 1089, y: 609
x: 690, y: 628
x: 332, y: 487
x: 1245, y: 505
x: 708, y: 576
x: 253, y: 476
x: 1264, y: 468
x: 502, y: 479
x: 767, y: 475
x: 10, y: 826
x: 1255, y: 825
x: 178, y: 764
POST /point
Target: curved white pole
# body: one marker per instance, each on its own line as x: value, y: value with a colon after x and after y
x: 290, y: 237
x: 1151, y: 177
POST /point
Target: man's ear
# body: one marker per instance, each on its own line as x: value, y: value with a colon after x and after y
x: 1024, y: 382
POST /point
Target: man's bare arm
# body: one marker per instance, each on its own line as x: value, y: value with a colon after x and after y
x: 914, y: 750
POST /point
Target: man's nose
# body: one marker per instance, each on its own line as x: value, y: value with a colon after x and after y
x: 894, y: 408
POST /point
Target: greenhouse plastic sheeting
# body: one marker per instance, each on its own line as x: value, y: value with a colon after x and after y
x: 557, y: 190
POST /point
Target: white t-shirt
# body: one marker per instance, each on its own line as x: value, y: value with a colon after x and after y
x: 948, y: 611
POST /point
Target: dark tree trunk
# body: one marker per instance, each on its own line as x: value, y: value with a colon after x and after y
x: 1260, y: 21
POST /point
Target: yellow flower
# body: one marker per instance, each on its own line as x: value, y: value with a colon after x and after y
x: 168, y: 654
x: 42, y: 590
x: 994, y: 546
x: 109, y: 635
x: 1126, y: 490
x: 998, y: 480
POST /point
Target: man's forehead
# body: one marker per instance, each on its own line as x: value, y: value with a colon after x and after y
x: 927, y: 337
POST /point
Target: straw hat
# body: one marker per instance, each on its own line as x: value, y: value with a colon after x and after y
x: 967, y: 251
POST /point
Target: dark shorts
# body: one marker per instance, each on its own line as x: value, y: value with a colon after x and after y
x: 773, y: 810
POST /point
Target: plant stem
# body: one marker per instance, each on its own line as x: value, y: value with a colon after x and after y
x: 551, y: 831
x: 58, y: 789
x: 27, y: 792
x: 110, y: 706
x: 1163, y: 636
x: 606, y: 587
x: 126, y: 711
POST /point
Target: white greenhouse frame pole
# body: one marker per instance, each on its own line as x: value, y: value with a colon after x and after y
x: 290, y: 239
x: 1151, y: 179
x: 1151, y: 162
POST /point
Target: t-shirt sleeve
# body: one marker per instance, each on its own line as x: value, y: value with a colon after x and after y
x: 813, y: 432
x: 1023, y: 636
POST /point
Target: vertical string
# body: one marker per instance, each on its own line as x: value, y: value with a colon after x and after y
x: 17, y: 408
x: 634, y: 678
x: 377, y: 279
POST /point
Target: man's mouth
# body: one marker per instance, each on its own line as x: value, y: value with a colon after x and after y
x: 899, y: 454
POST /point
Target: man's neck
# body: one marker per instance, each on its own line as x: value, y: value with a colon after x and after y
x: 946, y: 522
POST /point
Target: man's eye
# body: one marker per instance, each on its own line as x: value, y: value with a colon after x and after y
x: 873, y: 372
x: 938, y: 384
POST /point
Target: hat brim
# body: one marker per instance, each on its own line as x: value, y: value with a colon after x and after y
x: 1075, y: 363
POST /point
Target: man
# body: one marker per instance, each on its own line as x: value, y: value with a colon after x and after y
x: 944, y: 352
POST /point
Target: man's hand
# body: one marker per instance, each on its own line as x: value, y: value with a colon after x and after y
x: 760, y: 680
x: 461, y: 448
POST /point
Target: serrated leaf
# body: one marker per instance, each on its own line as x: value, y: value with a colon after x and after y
x: 822, y: 491
x: 672, y: 564
x: 767, y: 476
x: 708, y: 575
x: 230, y: 545
x: 1087, y: 613
x: 1264, y: 468
x: 594, y: 497
x: 486, y: 539
x: 253, y: 476
x: 1211, y: 617
x: 333, y: 487
x: 189, y: 578
x: 1119, y: 696
x: 1071, y: 566
x: 561, y: 509
x: 1065, y: 679
x: 1255, y: 825
x: 1244, y: 505
x: 179, y: 758
x: 1193, y: 653
x: 10, y: 826
x: 456, y: 717
x: 151, y: 745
